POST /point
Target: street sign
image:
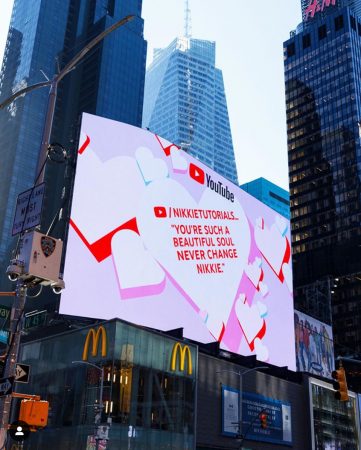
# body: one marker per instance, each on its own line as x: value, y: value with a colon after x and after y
x: 22, y: 373
x: 28, y: 209
x: 35, y: 319
x: 6, y: 386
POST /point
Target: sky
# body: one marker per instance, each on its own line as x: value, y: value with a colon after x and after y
x: 249, y: 38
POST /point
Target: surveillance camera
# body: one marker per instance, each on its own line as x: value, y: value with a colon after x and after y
x: 58, y: 286
x: 14, y: 271
x: 13, y: 276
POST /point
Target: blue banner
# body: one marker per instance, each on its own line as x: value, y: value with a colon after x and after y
x: 263, y: 419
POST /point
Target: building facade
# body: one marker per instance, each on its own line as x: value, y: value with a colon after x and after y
x: 318, y: 9
x: 108, y: 82
x: 185, y: 102
x: 270, y: 194
x: 149, y: 388
x: 163, y: 392
x: 323, y: 101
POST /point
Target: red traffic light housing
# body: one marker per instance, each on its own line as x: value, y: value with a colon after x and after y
x: 340, y: 384
x: 263, y: 419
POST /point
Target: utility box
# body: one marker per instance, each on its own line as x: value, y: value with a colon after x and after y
x: 41, y: 256
x: 34, y: 412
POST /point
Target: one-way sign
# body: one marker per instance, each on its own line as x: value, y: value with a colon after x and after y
x: 6, y: 386
x: 28, y: 209
x: 22, y: 373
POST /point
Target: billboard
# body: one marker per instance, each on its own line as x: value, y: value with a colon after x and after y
x: 159, y: 239
x: 314, y: 345
x: 278, y: 426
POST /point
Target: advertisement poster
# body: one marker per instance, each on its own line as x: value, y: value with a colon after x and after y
x: 159, y: 239
x: 278, y: 426
x: 314, y: 345
x: 230, y: 406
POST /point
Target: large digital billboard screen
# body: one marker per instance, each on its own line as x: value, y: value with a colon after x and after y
x: 314, y: 345
x: 159, y: 239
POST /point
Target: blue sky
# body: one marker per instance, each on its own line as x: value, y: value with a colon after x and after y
x: 249, y: 35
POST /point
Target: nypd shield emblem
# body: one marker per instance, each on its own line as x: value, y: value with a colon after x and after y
x: 48, y: 245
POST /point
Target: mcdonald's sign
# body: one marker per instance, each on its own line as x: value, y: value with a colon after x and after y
x: 181, y: 351
x: 94, y: 336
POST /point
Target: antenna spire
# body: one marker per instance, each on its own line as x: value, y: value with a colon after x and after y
x: 187, y: 20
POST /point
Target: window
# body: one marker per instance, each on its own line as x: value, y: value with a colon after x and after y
x: 306, y: 41
x: 338, y: 23
x: 322, y: 32
x: 291, y: 50
x: 353, y: 22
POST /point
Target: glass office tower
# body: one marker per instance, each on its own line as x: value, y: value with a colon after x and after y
x: 185, y: 102
x: 323, y: 101
x: 270, y: 194
x: 315, y: 9
x: 108, y: 82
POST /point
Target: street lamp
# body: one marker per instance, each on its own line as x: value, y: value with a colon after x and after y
x: 100, y: 407
x: 240, y: 374
x: 21, y: 287
x: 54, y: 88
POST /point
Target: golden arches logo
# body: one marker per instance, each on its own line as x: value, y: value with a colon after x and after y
x: 182, y: 351
x: 94, y: 336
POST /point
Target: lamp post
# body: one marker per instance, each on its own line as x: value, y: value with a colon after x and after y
x: 240, y: 402
x: 53, y: 92
x: 21, y: 287
x: 101, y: 406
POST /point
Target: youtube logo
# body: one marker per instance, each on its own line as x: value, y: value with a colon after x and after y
x: 196, y: 173
x: 160, y: 211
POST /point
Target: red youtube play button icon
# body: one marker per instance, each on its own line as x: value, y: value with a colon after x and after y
x: 196, y: 173
x: 160, y: 211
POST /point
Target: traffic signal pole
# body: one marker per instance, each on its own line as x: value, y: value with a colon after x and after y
x: 12, y: 355
x: 21, y: 288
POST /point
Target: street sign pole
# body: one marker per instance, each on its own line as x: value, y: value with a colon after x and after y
x: 12, y: 355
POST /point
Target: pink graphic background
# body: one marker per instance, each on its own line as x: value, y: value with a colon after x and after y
x: 121, y: 261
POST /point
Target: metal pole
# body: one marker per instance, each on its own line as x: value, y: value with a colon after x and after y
x: 100, y: 406
x: 12, y: 357
x: 53, y: 92
x: 40, y: 173
x: 100, y: 397
x: 240, y: 403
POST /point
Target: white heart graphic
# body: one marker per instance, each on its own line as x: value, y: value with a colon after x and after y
x: 261, y: 350
x: 151, y: 168
x: 273, y: 246
x: 287, y: 272
x: 211, y: 292
x: 282, y: 225
x: 138, y: 274
x: 263, y: 288
x: 99, y: 213
x: 179, y: 163
x: 262, y: 308
x: 254, y: 272
x: 252, y: 324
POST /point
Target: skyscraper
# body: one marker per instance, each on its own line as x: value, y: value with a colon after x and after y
x: 270, y: 194
x: 316, y: 9
x: 323, y: 87
x: 185, y: 102
x: 108, y: 82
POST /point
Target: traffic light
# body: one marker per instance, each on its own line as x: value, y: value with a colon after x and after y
x: 263, y: 419
x: 34, y: 412
x: 340, y: 384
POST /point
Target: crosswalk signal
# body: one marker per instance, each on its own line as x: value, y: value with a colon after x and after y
x: 263, y: 419
x: 340, y: 384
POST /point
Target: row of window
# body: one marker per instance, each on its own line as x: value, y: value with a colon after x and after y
x: 322, y: 34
